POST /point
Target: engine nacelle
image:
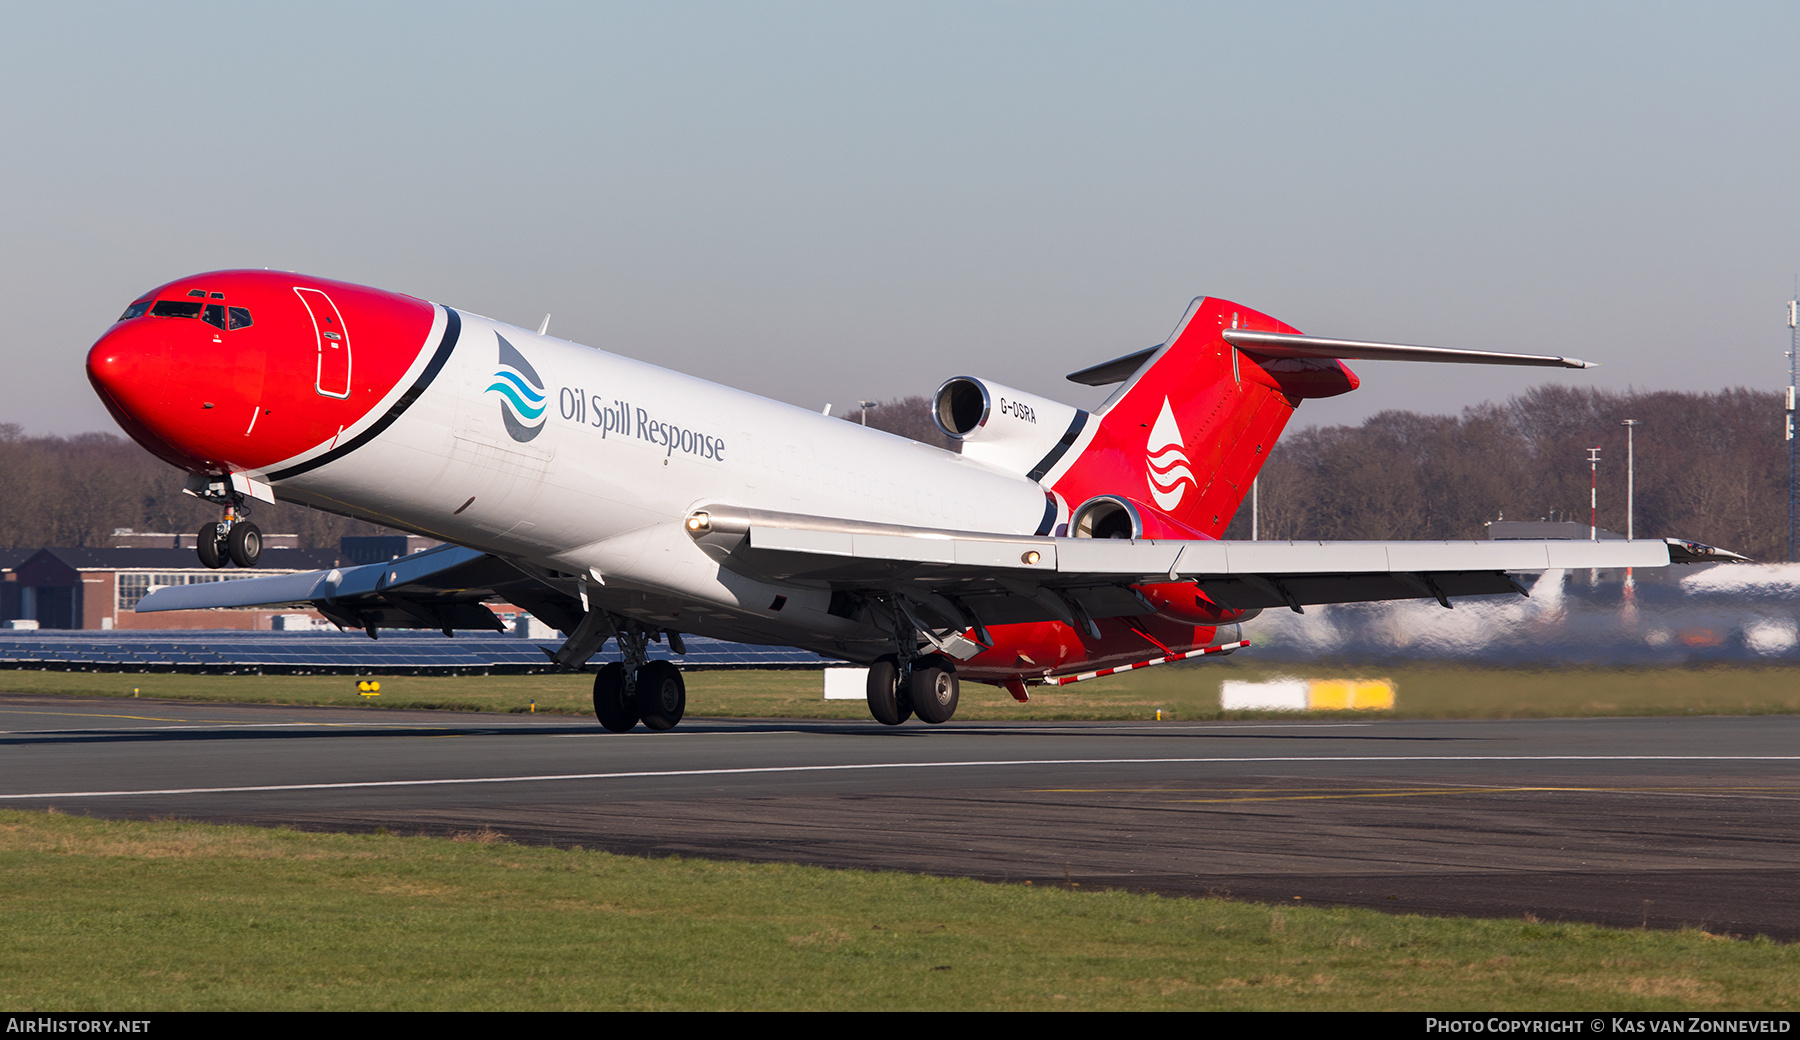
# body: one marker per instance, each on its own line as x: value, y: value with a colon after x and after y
x: 1006, y: 428
x: 1116, y: 516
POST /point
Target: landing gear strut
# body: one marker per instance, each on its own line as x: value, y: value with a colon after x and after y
x: 635, y: 690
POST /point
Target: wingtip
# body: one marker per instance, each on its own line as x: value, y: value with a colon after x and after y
x: 1683, y: 551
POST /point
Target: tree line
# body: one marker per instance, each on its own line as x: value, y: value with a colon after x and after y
x: 1711, y: 467
x: 74, y: 491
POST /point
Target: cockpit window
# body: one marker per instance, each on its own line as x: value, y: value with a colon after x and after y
x: 136, y: 310
x: 240, y: 317
x: 176, y: 309
x: 215, y: 315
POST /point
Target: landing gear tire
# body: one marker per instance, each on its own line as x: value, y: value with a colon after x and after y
x: 661, y: 695
x: 934, y: 689
x: 889, y: 701
x: 612, y: 705
x: 244, y: 544
x: 209, y: 548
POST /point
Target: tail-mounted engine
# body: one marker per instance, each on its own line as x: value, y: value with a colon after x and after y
x: 1006, y: 428
x: 1117, y: 516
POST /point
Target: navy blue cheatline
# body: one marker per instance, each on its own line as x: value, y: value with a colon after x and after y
x: 304, y: 653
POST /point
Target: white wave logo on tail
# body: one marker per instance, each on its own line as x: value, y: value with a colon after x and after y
x: 1167, y: 465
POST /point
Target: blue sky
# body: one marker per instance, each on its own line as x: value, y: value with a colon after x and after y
x: 821, y: 202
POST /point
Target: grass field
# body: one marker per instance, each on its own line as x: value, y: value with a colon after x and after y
x: 171, y: 916
x: 1182, y: 691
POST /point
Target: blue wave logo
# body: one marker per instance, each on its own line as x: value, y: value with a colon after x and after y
x: 523, y: 401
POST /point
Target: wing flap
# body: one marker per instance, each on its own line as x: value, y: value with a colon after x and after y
x: 1246, y: 593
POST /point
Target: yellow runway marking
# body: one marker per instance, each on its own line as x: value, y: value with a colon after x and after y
x: 94, y: 715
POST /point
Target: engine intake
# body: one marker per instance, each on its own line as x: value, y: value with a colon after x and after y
x: 1106, y: 516
x: 1003, y: 427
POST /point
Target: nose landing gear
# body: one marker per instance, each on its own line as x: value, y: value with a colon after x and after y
x: 232, y: 539
x: 244, y: 543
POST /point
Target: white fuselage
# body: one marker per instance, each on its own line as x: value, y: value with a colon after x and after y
x: 623, y: 452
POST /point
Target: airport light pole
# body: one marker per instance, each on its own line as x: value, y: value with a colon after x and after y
x: 1630, y: 503
x: 866, y: 405
x: 1630, y: 479
x: 1793, y: 379
x: 1594, y: 494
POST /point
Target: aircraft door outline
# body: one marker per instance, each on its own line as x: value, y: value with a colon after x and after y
x: 332, y: 377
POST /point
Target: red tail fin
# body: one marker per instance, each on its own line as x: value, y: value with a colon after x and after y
x: 1188, y: 432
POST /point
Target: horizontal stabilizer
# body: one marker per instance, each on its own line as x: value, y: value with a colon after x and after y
x: 1287, y: 345
x: 1117, y: 370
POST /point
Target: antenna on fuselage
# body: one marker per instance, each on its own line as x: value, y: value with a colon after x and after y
x: 544, y: 326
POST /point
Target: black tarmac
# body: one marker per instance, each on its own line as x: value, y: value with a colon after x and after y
x: 1662, y: 822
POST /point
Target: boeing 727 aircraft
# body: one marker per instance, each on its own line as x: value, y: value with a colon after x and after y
x: 622, y: 502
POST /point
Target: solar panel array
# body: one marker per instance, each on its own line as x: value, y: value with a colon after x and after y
x: 300, y: 653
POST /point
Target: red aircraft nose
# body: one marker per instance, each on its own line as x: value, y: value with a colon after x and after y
x: 246, y: 371
x: 129, y: 367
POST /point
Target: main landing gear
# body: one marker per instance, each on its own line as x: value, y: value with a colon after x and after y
x: 636, y: 690
x: 926, y: 686
x: 656, y: 696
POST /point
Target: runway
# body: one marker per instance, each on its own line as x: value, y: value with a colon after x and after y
x: 1663, y: 822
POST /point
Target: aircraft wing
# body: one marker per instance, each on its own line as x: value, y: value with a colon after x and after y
x: 440, y: 588
x: 1010, y: 578
x: 950, y: 577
